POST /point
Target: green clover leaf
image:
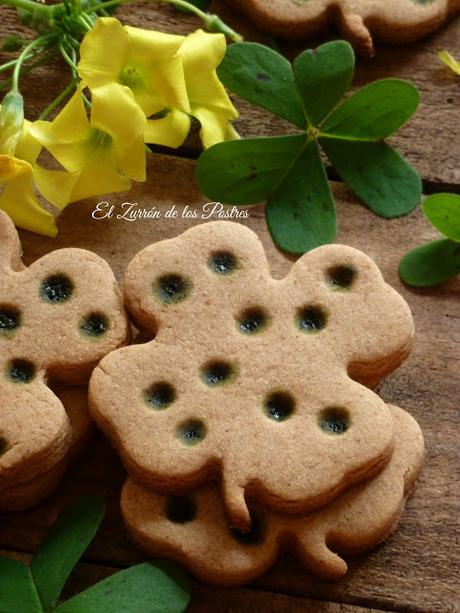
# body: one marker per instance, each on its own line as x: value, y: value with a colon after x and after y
x: 288, y: 172
x: 439, y: 260
x: 144, y: 588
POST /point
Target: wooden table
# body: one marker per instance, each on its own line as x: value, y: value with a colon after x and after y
x: 417, y: 569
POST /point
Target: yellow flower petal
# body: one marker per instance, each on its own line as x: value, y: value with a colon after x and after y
x: 71, y: 155
x: 215, y: 127
x: 28, y: 147
x: 154, y: 70
x: 131, y: 159
x: 55, y: 185
x: 202, y: 53
x: 449, y: 61
x: 166, y: 87
x: 170, y: 131
x: 157, y: 46
x: 66, y: 137
x: 19, y: 202
x: 99, y: 177
x: 115, y: 111
x: 73, y: 116
x: 11, y: 168
x: 103, y: 52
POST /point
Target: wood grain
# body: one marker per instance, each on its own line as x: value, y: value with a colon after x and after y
x: 416, y: 569
x: 206, y: 599
x: 430, y: 140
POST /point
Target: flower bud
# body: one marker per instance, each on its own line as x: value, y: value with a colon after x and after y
x: 11, y: 122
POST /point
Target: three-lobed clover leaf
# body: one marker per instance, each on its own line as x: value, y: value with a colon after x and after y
x: 434, y: 262
x: 143, y: 588
x: 288, y: 171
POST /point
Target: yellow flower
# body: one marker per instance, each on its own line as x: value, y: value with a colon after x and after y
x: 149, y: 64
x: 201, y: 54
x: 105, y: 150
x: 173, y: 78
x: 21, y: 178
x: 449, y: 61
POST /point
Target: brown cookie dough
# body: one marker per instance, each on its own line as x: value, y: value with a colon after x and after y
x: 58, y: 318
x: 193, y: 529
x: 361, y: 21
x: 29, y: 493
x: 250, y: 378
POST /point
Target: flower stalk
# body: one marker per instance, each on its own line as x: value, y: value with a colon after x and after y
x: 128, y: 87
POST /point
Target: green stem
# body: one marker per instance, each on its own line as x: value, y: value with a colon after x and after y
x: 67, y: 57
x: 186, y: 5
x: 59, y: 98
x: 28, y: 5
x: 26, y: 69
x: 84, y: 22
x: 40, y: 41
x: 10, y: 64
x: 213, y: 22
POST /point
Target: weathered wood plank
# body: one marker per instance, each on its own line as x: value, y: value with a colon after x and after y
x: 430, y: 140
x: 206, y: 599
x: 417, y: 569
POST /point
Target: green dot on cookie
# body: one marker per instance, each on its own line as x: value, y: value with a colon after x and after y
x: 56, y: 289
x: 216, y: 373
x: 252, y: 320
x: 191, y: 431
x: 160, y: 395
x: 20, y: 371
x: 279, y: 406
x: 94, y: 325
x: 341, y: 277
x: 334, y: 420
x: 172, y: 288
x: 311, y: 319
x: 222, y: 262
x: 10, y: 320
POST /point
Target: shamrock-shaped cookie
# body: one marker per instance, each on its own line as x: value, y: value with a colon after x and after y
x: 193, y: 529
x: 58, y: 318
x: 395, y: 21
x: 29, y: 493
x: 252, y: 379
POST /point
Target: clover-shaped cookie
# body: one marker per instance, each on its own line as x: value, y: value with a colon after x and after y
x: 250, y: 378
x: 395, y: 21
x: 58, y: 318
x: 193, y: 529
x: 29, y: 493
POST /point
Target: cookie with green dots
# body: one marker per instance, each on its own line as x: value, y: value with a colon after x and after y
x: 193, y: 529
x: 258, y: 381
x: 58, y: 318
x: 361, y: 21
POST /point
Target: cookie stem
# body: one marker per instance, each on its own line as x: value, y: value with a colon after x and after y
x: 235, y: 503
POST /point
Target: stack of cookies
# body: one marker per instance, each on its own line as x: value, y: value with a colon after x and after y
x: 248, y: 424
x: 58, y: 318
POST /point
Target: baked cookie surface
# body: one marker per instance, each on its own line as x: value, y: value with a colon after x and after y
x: 252, y: 379
x: 27, y: 494
x: 193, y: 530
x: 58, y: 318
x: 361, y: 21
